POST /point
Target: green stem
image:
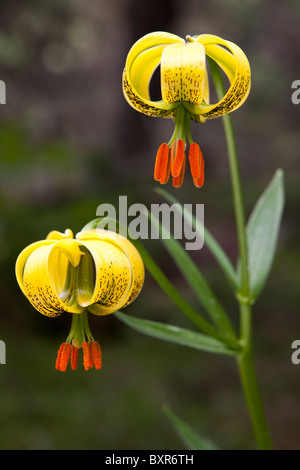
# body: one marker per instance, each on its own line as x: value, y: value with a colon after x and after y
x: 249, y: 382
x: 181, y: 117
x: 245, y: 360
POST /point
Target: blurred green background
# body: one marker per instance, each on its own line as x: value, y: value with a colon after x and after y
x: 69, y: 142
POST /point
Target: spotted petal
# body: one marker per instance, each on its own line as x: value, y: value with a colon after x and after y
x: 22, y: 259
x: 46, y: 271
x: 142, y: 60
x: 235, y: 64
x: 119, y: 271
x: 183, y: 73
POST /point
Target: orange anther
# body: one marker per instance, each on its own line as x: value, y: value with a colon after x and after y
x: 63, y: 356
x: 90, y: 343
x: 57, y: 363
x: 177, y: 156
x: 199, y: 182
x: 196, y: 160
x: 166, y: 175
x: 74, y: 357
x: 161, y: 162
x: 178, y: 180
x: 86, y: 355
x: 96, y: 351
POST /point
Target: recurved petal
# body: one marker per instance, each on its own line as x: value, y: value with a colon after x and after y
x: 113, y: 276
x: 143, y: 67
x: 125, y: 245
x: 235, y: 65
x: 142, y: 60
x: 22, y: 258
x: 55, y: 235
x: 71, y: 250
x: 137, y: 268
x: 98, y: 234
x: 66, y: 261
x: 183, y: 73
x: 143, y: 105
x: 157, y: 38
x: 42, y: 276
x: 119, y: 269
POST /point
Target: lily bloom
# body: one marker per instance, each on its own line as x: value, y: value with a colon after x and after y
x: 98, y: 272
x: 185, y: 92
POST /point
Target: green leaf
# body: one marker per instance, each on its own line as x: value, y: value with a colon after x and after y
x: 173, y: 293
x: 262, y: 231
x: 187, y: 435
x: 215, y: 248
x: 196, y: 280
x: 176, y: 335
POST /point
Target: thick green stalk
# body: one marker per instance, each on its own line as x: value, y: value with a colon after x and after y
x: 249, y: 381
x: 245, y: 360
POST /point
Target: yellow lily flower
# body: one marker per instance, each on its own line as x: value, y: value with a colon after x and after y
x: 98, y: 272
x: 185, y: 92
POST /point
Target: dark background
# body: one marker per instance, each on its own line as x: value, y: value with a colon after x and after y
x: 69, y: 142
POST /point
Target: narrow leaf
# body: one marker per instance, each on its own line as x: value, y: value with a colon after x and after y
x: 174, y: 295
x: 195, y: 279
x: 262, y: 231
x: 215, y: 248
x: 187, y: 435
x: 177, y: 335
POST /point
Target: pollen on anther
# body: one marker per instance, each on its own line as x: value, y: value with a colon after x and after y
x: 96, y: 351
x: 177, y: 157
x: 59, y: 353
x: 86, y: 355
x: 196, y: 161
x: 199, y: 182
x: 74, y: 357
x: 166, y: 175
x: 63, y: 357
x: 161, y: 162
x: 90, y: 343
x: 178, y: 180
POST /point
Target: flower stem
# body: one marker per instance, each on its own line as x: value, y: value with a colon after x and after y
x: 249, y: 382
x: 245, y: 360
x: 180, y: 124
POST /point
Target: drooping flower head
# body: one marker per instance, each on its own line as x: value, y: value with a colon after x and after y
x: 98, y: 272
x: 185, y: 92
